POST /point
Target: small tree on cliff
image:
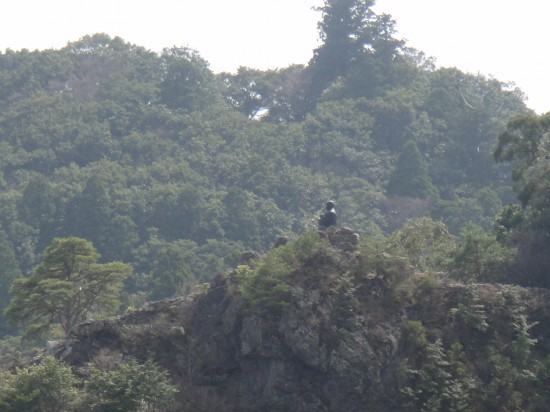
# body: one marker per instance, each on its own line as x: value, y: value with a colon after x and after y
x: 66, y: 286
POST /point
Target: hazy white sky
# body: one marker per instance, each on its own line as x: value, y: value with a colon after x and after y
x: 503, y: 38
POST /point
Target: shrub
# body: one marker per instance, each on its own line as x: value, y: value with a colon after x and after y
x: 374, y: 259
x: 431, y: 378
x: 479, y: 257
x: 130, y: 387
x: 11, y: 346
x: 471, y: 311
x: 425, y: 242
x: 266, y: 286
x: 46, y: 387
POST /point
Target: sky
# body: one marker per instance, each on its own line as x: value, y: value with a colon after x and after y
x: 505, y: 39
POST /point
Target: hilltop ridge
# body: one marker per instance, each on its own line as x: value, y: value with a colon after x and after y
x: 325, y: 324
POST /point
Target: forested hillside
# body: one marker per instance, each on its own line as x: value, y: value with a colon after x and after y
x: 175, y: 170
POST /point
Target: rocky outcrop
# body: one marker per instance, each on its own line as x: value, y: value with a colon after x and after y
x: 347, y: 338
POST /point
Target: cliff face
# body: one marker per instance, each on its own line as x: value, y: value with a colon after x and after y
x: 352, y: 332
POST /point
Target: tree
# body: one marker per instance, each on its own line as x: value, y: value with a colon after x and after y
x: 509, y: 218
x: 410, y: 177
x: 38, y: 208
x: 354, y: 38
x: 426, y: 242
x: 9, y: 271
x: 480, y: 257
x: 246, y: 90
x: 170, y: 271
x: 343, y: 30
x: 521, y: 142
x: 65, y: 287
x: 46, y: 387
x: 130, y: 387
x: 468, y: 111
x: 88, y: 214
x: 272, y: 95
x: 188, y: 84
x: 526, y: 144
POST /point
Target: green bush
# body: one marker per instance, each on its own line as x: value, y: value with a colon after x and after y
x: 373, y: 258
x: 425, y: 242
x: 266, y: 286
x: 479, y: 257
x: 130, y: 387
x: 46, y: 387
x: 471, y: 311
x: 414, y: 335
x: 431, y: 378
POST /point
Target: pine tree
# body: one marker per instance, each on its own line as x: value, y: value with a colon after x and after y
x: 410, y: 177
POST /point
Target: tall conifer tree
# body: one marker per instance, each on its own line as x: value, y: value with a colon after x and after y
x: 410, y: 177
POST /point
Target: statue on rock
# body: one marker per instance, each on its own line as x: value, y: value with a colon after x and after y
x: 328, y: 218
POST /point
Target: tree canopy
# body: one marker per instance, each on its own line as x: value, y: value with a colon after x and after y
x: 410, y: 177
x: 65, y: 287
x: 176, y: 170
x: 112, y: 153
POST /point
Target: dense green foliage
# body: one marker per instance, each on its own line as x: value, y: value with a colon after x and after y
x: 47, y: 387
x: 526, y: 144
x: 66, y: 286
x: 426, y: 243
x: 51, y: 386
x: 175, y: 170
x: 410, y: 177
x: 479, y: 256
x: 130, y: 386
x: 266, y: 286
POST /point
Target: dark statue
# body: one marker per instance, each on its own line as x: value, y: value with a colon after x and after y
x: 328, y: 218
